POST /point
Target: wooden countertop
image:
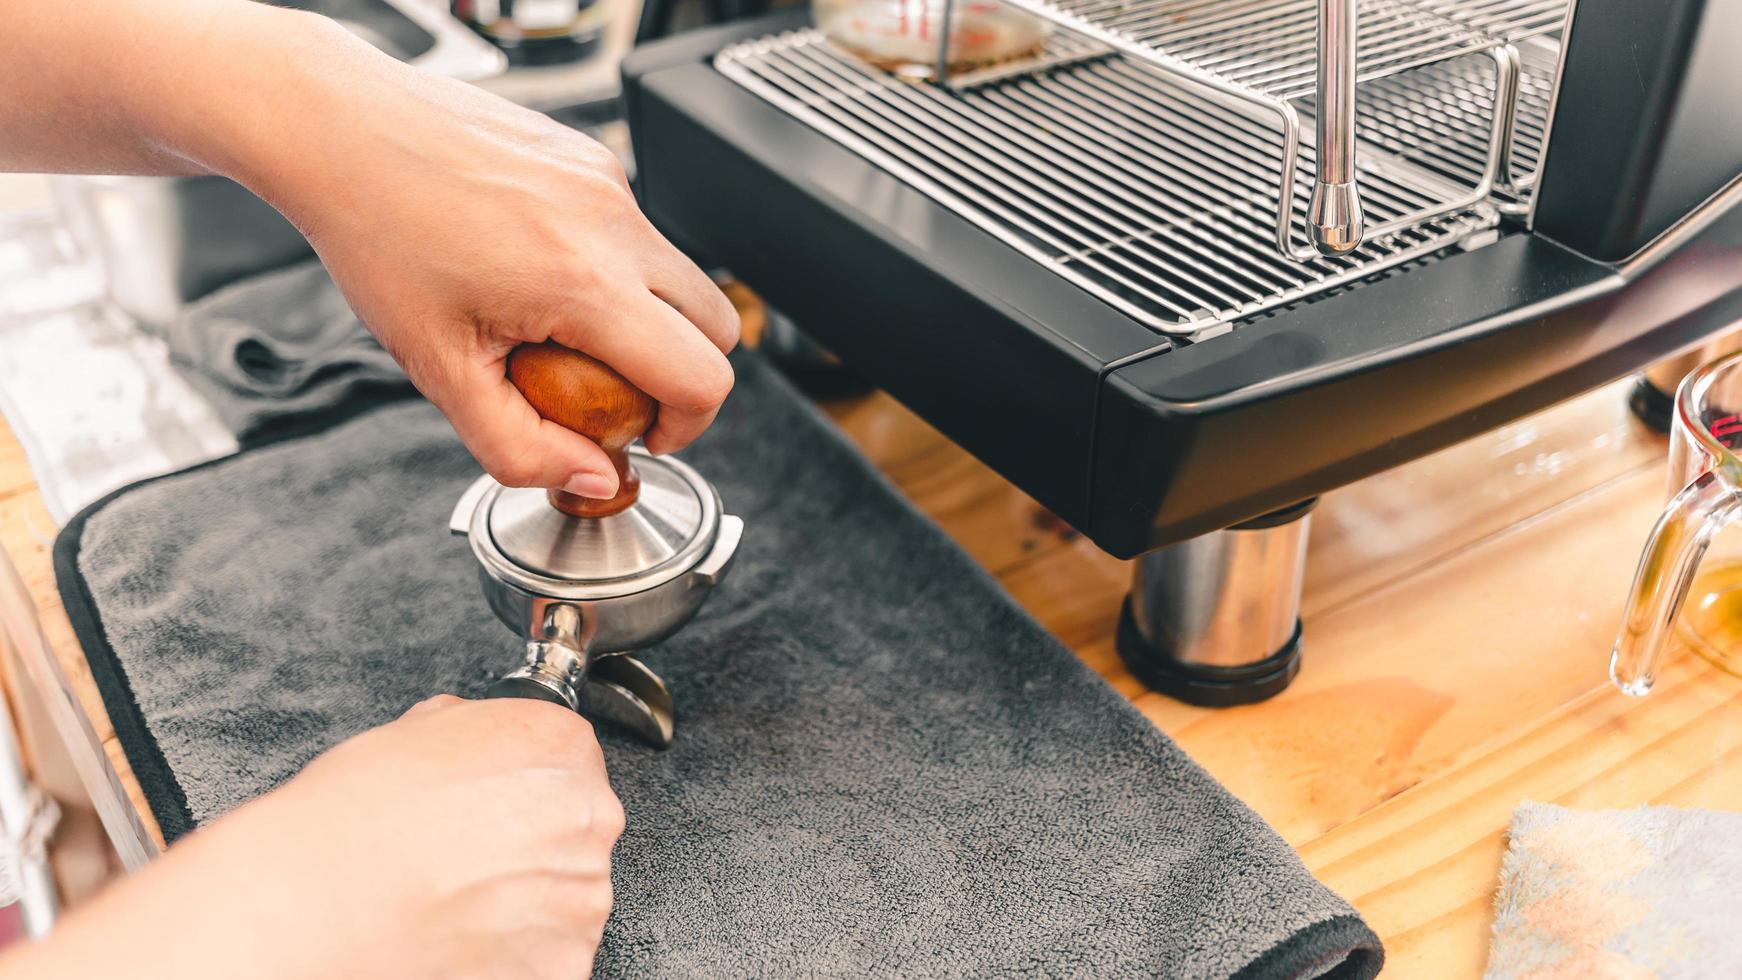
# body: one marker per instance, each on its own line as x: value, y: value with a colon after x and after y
x: 1458, y: 613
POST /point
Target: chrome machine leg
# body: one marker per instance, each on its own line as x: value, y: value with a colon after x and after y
x: 1215, y: 620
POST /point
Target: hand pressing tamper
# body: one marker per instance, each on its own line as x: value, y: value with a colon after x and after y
x: 587, y: 581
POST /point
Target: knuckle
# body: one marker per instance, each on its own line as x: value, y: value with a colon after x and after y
x: 553, y: 949
x: 432, y: 703
x: 587, y: 956
x: 731, y: 324
x: 612, y: 169
x: 600, y: 900
x: 709, y: 385
x: 720, y: 382
x: 596, y: 155
x: 606, y: 181
x: 609, y: 819
x: 583, y: 274
x: 513, y: 474
x: 511, y: 469
x: 549, y: 233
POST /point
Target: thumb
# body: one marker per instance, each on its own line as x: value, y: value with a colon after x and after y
x: 513, y: 443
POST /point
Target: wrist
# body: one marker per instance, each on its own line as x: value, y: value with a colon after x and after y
x: 259, y: 108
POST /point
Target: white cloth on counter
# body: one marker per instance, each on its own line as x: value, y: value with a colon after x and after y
x: 94, y: 402
x: 1647, y: 892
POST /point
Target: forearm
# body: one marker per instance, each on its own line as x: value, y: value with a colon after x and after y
x: 466, y: 838
x: 459, y: 225
x: 152, y: 87
x: 217, y: 905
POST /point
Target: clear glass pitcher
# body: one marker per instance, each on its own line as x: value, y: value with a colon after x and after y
x: 1706, y: 483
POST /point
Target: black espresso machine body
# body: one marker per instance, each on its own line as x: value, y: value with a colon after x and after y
x: 1140, y: 439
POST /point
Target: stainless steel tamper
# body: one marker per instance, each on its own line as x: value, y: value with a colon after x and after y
x: 587, y: 582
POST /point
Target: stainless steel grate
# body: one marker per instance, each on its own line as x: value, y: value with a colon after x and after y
x: 1148, y: 194
x: 1261, y: 58
x: 1510, y: 20
x: 1437, y: 117
x: 1063, y: 48
x: 1266, y: 49
x: 1540, y: 76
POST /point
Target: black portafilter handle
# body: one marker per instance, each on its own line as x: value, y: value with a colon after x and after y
x: 622, y: 692
x: 525, y: 687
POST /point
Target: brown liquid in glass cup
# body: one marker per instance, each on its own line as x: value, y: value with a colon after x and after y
x: 901, y: 36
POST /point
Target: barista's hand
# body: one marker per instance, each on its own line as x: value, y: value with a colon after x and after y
x: 460, y: 225
x: 467, y: 838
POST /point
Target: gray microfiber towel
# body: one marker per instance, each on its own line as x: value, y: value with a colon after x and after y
x: 883, y: 766
x: 278, y: 350
x: 1648, y: 892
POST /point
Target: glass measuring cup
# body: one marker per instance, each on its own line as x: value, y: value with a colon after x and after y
x: 1706, y: 483
x: 901, y: 36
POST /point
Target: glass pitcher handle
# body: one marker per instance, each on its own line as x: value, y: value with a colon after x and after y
x: 1672, y: 555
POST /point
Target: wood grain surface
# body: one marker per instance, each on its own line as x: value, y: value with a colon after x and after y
x: 1458, y: 610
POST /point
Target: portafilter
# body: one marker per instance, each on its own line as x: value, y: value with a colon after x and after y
x: 587, y: 582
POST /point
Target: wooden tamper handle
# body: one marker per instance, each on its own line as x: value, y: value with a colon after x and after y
x: 580, y: 393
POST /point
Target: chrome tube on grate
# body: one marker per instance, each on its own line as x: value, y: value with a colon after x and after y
x: 1147, y: 194
x: 1334, y: 219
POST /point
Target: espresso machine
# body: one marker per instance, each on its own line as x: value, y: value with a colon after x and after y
x: 587, y: 582
x: 1217, y: 257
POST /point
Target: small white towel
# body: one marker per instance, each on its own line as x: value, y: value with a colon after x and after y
x: 1650, y: 892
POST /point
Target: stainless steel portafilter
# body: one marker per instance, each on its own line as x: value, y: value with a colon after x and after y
x: 590, y: 581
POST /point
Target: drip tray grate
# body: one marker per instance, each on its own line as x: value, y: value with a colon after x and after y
x: 1436, y: 116
x: 1155, y: 199
x: 1265, y: 49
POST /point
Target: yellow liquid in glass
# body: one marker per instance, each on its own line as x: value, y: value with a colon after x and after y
x: 1711, y: 620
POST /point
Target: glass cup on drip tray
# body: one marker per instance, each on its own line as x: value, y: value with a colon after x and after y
x: 901, y: 36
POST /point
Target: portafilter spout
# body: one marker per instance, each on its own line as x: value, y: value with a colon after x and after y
x: 582, y: 579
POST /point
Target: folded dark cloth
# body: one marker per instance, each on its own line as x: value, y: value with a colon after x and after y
x: 281, y: 349
x: 883, y: 766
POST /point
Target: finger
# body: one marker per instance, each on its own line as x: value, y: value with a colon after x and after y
x: 664, y: 355
x: 669, y: 434
x: 511, y: 441
x: 687, y: 289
